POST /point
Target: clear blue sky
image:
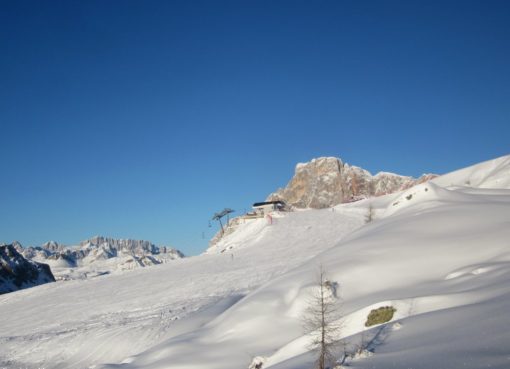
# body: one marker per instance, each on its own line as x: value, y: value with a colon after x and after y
x: 140, y: 119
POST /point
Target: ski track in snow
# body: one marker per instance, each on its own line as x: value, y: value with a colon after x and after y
x: 77, y: 324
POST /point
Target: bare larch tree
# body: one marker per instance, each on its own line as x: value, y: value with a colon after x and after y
x: 370, y: 214
x: 321, y: 320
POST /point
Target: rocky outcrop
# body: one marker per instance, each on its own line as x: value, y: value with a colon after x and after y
x: 325, y: 182
x: 17, y: 273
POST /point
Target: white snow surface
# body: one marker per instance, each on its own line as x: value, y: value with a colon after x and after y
x: 438, y: 252
x: 80, y: 323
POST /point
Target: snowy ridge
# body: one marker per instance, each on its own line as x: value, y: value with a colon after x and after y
x: 490, y: 174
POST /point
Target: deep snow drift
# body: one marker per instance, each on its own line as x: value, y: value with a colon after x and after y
x: 438, y: 253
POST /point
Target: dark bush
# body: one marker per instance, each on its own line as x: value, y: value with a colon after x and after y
x: 381, y: 315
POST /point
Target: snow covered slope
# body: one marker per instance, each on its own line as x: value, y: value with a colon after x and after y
x: 439, y: 255
x: 490, y: 174
x: 79, y: 323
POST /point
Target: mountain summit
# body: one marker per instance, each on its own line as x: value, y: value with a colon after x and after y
x: 327, y: 181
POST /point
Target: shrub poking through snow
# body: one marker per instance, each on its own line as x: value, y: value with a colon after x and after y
x: 381, y: 315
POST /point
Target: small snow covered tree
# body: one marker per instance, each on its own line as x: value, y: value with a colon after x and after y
x: 370, y: 214
x: 321, y: 320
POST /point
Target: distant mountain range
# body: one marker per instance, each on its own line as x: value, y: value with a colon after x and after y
x: 97, y: 256
x: 327, y: 181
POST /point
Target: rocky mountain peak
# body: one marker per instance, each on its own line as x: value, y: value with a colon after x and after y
x: 137, y: 247
x: 53, y: 246
x: 328, y: 181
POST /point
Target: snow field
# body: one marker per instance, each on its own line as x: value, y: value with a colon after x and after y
x: 80, y: 323
x: 441, y: 260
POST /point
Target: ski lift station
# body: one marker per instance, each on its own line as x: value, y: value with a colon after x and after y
x: 263, y: 208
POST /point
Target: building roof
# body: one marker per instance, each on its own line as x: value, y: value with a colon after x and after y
x: 278, y: 202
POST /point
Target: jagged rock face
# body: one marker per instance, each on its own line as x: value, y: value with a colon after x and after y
x: 111, y: 245
x: 97, y: 256
x: 98, y: 248
x: 315, y: 185
x: 17, y: 273
x: 17, y: 246
x: 326, y: 182
x: 34, y: 252
x: 53, y: 246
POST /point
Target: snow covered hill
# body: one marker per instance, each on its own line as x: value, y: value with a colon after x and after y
x: 438, y: 253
